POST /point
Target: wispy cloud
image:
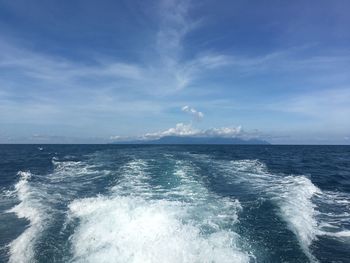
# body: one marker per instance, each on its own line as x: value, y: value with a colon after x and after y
x: 332, y: 105
x: 43, y: 88
x: 175, y: 24
x: 166, y: 72
x: 326, y: 111
x: 98, y: 89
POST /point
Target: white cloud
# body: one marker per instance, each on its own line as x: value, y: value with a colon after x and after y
x: 187, y: 130
x: 197, y: 115
x: 180, y: 129
x: 175, y: 24
x: 165, y: 72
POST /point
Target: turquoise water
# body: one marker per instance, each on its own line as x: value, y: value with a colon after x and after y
x: 110, y: 203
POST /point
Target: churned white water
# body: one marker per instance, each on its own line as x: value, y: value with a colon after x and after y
x: 292, y: 194
x: 298, y: 200
x: 141, y: 222
x: 36, y: 200
x: 334, y: 216
x: 30, y: 208
x: 170, y: 207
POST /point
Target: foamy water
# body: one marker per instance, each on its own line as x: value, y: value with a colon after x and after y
x: 132, y: 226
x: 130, y: 205
x: 30, y: 208
x: 297, y: 199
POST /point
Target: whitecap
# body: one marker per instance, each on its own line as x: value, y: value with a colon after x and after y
x: 22, y: 248
x: 292, y: 194
x: 302, y: 205
x: 130, y: 229
x: 143, y: 222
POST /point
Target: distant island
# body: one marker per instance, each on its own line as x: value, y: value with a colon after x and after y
x: 195, y: 140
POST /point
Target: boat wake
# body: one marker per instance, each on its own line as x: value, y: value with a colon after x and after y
x: 302, y: 205
x: 145, y: 222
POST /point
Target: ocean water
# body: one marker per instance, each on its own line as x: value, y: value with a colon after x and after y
x: 113, y: 203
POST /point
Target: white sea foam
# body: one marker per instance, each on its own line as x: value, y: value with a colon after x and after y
x: 69, y: 177
x: 299, y: 202
x: 135, y: 181
x: 141, y: 222
x: 22, y: 248
x: 292, y: 194
x: 36, y: 200
x: 130, y: 229
x: 334, y: 215
x: 345, y: 233
x: 67, y: 170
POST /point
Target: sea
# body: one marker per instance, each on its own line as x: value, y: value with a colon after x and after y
x: 174, y: 203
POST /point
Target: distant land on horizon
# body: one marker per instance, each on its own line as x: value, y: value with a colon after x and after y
x: 195, y: 140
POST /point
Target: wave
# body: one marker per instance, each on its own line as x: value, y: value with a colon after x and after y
x: 22, y: 248
x: 292, y: 194
x: 134, y: 181
x: 302, y: 205
x: 334, y: 214
x: 38, y: 201
x: 161, y: 210
x: 174, y: 220
x: 130, y: 229
x: 72, y: 170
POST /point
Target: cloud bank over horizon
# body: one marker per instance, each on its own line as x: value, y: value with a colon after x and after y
x: 187, y: 130
x: 182, y: 129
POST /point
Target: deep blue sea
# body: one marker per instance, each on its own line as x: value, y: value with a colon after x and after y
x: 199, y: 203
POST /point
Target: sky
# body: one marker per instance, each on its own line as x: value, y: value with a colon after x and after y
x: 99, y: 71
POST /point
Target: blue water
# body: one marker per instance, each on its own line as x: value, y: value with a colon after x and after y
x: 112, y: 203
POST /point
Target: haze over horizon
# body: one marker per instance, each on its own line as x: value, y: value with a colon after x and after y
x: 99, y: 71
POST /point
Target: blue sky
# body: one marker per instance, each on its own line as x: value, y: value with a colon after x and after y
x: 96, y: 71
